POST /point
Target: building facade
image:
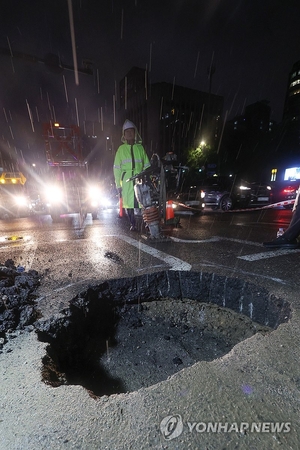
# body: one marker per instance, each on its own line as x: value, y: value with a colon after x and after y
x: 286, y: 155
x: 170, y: 118
x: 291, y: 112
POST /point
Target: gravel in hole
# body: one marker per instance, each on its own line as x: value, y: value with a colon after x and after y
x: 155, y: 340
x: 146, y: 343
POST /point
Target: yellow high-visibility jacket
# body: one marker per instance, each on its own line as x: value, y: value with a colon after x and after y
x: 123, y: 169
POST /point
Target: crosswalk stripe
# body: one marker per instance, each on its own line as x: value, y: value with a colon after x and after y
x: 266, y: 255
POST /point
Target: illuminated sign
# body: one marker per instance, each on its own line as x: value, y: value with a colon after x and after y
x: 291, y: 174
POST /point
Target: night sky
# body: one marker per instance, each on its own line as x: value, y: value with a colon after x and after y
x: 252, y: 45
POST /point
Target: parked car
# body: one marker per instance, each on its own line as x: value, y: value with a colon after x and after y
x: 226, y: 193
x: 261, y: 194
x: 286, y: 191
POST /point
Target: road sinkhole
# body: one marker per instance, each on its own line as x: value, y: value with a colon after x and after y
x: 125, y: 334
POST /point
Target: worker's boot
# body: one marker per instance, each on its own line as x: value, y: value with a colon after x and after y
x: 130, y: 214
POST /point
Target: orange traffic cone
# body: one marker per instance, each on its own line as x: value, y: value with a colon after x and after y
x: 121, y: 207
x: 169, y: 210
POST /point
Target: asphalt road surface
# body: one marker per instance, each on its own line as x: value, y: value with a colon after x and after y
x: 69, y: 257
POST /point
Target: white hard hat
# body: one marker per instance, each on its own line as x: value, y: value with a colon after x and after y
x: 127, y: 124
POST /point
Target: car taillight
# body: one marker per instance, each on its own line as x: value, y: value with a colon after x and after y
x: 289, y: 190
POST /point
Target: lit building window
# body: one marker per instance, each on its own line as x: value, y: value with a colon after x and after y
x: 294, y: 83
x: 295, y: 92
x: 273, y: 174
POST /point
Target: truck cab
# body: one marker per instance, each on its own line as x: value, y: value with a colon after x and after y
x: 67, y: 188
x: 14, y: 201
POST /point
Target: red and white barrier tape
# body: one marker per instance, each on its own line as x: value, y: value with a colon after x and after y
x: 186, y: 207
x: 273, y: 205
x: 285, y: 203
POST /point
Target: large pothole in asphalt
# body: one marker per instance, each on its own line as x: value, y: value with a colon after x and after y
x: 130, y: 333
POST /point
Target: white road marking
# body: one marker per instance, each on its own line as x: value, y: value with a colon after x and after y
x: 145, y: 269
x: 28, y: 253
x: 195, y: 241
x: 241, y: 241
x: 252, y: 257
x: 234, y: 271
x: 214, y: 239
x: 265, y: 255
x: 175, y: 263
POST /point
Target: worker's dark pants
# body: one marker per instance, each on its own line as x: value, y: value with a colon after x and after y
x: 293, y: 230
x: 130, y: 214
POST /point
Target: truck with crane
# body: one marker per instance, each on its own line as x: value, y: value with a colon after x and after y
x: 67, y: 187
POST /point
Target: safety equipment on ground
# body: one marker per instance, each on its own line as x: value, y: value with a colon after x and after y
x: 169, y: 211
x: 152, y: 220
x: 150, y: 191
x: 280, y: 232
x: 150, y: 211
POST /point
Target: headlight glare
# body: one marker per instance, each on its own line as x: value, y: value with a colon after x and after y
x: 94, y: 192
x: 106, y: 202
x: 21, y: 200
x: 245, y: 188
x: 54, y: 194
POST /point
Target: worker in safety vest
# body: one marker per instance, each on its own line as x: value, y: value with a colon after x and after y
x: 131, y: 159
